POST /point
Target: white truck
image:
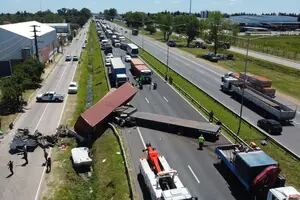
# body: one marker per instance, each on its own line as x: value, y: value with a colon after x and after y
x: 283, y: 193
x: 234, y: 87
x: 162, y: 181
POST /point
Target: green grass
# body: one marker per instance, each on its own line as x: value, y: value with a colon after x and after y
x: 290, y: 167
x: 285, y: 79
x: 284, y: 46
x: 108, y: 180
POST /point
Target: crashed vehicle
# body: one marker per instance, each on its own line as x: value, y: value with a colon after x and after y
x: 50, y: 97
x: 80, y: 157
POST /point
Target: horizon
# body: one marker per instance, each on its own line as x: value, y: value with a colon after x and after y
x: 225, y: 6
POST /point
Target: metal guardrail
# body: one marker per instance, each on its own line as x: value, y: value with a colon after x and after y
x: 227, y: 129
x: 129, y: 179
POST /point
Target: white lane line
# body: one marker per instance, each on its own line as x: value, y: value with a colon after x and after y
x: 193, y: 173
x: 166, y: 99
x: 140, y: 134
x: 147, y: 100
x: 61, y: 114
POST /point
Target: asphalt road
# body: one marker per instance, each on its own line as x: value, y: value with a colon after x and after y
x: 26, y: 182
x: 197, y: 169
x: 208, y: 77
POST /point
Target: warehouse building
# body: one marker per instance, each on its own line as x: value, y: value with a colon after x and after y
x: 17, y: 41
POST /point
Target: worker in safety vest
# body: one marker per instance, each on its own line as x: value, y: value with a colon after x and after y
x: 201, y: 141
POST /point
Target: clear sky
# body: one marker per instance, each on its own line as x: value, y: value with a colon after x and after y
x: 229, y: 6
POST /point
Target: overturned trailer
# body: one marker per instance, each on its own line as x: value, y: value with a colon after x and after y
x: 172, y: 124
x: 92, y: 119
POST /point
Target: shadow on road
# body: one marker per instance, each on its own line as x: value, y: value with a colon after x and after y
x: 145, y: 191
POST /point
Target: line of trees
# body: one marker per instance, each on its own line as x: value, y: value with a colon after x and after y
x: 25, y: 76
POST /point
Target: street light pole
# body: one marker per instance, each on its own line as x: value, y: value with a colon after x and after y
x: 168, y: 50
x: 243, y: 88
x: 190, y: 6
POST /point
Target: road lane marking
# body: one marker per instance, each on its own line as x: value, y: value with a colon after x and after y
x: 147, y: 100
x: 193, y: 173
x: 44, y: 170
x: 142, y: 139
x: 166, y: 99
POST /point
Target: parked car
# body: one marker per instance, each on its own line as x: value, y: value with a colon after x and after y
x: 127, y: 58
x: 72, y: 88
x: 270, y: 126
x: 50, y: 97
x: 68, y: 58
x: 211, y: 57
x: 171, y: 43
x: 75, y: 58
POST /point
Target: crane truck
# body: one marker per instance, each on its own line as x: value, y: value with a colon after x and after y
x: 236, y: 87
x: 162, y: 181
x: 258, y: 173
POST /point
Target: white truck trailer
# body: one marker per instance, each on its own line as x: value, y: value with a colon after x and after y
x: 235, y: 87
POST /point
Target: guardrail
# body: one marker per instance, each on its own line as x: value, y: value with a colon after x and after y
x: 129, y: 179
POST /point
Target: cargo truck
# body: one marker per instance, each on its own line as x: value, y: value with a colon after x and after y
x: 270, y: 106
x: 118, y: 72
x: 141, y: 71
x: 258, y: 173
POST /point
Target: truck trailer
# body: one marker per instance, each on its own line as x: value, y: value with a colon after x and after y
x: 172, y: 124
x: 141, y: 71
x: 161, y: 180
x: 236, y: 87
x: 118, y: 72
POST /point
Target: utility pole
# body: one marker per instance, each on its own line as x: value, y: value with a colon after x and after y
x: 36, y: 42
x: 190, y: 6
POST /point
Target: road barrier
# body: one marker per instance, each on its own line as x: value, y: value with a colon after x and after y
x: 123, y: 152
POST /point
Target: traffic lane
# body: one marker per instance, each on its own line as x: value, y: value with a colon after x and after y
x: 195, y: 168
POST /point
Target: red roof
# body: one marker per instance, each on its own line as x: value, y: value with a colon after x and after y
x: 96, y: 115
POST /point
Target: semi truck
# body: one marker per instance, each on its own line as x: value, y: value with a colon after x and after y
x: 161, y: 180
x: 236, y: 87
x: 118, y: 72
x: 141, y: 71
x: 257, y: 172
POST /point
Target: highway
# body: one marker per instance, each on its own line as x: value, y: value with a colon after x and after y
x: 207, y: 76
x: 27, y: 180
x: 196, y: 168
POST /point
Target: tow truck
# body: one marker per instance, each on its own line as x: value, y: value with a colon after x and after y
x: 161, y: 180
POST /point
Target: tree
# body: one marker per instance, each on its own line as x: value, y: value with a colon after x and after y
x: 110, y: 14
x: 216, y: 25
x: 151, y: 28
x: 191, y: 29
x: 166, y: 22
x: 135, y: 19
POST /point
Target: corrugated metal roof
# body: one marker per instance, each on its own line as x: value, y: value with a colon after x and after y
x: 98, y: 113
x: 25, y: 29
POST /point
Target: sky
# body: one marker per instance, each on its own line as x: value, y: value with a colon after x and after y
x: 122, y: 6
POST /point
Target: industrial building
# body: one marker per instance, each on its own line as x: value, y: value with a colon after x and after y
x: 17, y: 41
x: 60, y: 27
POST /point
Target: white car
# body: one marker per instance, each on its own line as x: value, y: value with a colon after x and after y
x: 50, y: 97
x: 73, y: 88
x: 107, y: 62
x: 127, y: 58
x: 109, y: 55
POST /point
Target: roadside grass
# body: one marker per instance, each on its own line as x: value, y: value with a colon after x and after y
x: 290, y: 166
x: 285, y: 79
x: 108, y: 179
x: 283, y: 46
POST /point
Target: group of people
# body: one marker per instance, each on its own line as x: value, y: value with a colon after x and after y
x: 47, y: 163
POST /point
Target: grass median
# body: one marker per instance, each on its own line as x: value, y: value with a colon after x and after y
x: 108, y: 178
x: 290, y: 166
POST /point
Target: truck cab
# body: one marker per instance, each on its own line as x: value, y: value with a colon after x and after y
x: 227, y: 82
x: 121, y: 79
x: 283, y: 193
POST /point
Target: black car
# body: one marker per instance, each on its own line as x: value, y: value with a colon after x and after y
x: 271, y: 126
x: 171, y: 43
x: 211, y: 57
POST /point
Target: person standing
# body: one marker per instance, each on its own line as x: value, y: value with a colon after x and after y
x: 10, y: 165
x: 45, y: 155
x: 48, y: 164
x: 25, y: 155
x: 201, y: 141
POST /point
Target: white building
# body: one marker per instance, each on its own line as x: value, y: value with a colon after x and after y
x: 17, y: 41
x: 60, y: 27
